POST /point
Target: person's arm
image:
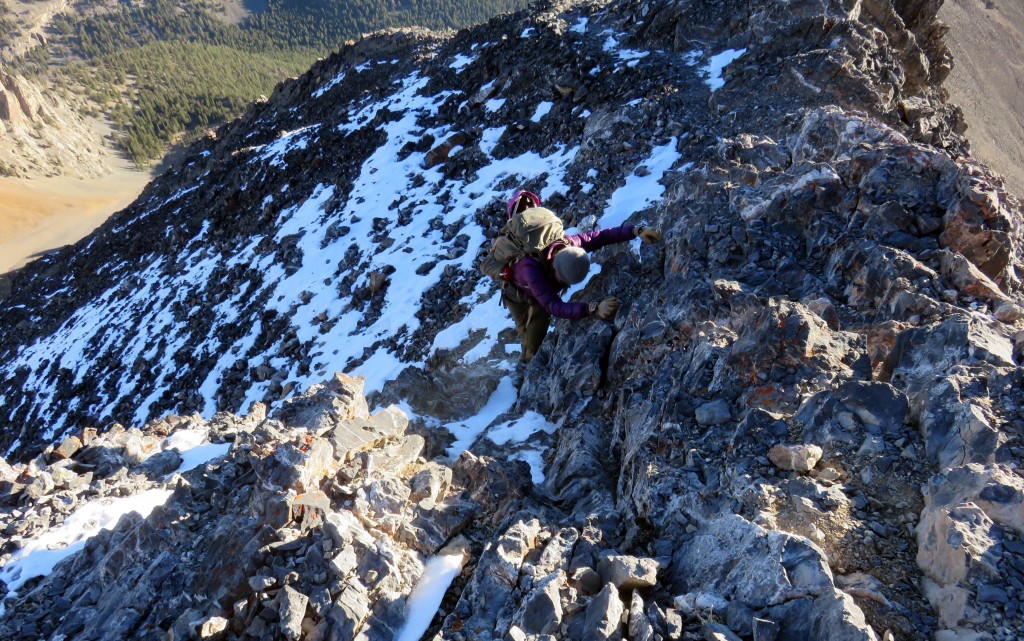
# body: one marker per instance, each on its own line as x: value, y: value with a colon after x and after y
x: 530, y: 275
x: 602, y: 237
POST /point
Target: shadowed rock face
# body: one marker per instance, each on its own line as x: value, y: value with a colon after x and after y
x: 803, y: 422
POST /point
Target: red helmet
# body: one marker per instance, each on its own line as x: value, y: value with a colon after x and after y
x: 513, y: 204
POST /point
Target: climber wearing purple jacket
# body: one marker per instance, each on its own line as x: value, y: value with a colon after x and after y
x: 539, y: 282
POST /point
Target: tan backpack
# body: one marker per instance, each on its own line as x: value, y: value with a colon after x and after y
x: 527, y: 233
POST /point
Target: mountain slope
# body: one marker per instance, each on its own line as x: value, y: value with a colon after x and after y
x: 160, y: 71
x: 986, y: 81
x: 832, y: 324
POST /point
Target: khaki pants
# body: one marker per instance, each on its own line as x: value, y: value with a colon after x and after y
x: 532, y: 324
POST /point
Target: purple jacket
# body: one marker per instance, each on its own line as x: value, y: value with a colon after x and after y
x: 537, y: 278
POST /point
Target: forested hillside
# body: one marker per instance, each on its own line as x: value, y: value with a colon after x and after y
x: 159, y: 69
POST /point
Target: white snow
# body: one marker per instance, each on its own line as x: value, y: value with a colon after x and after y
x: 535, y: 459
x: 487, y: 315
x: 631, y: 57
x: 520, y: 429
x: 580, y: 26
x: 426, y: 597
x: 329, y: 85
x: 39, y: 556
x: 274, y: 152
x: 542, y: 110
x: 461, y: 61
x: 717, y: 64
x: 194, y: 448
x: 640, y: 192
x: 467, y: 431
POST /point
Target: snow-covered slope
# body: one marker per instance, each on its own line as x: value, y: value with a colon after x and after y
x: 348, y: 268
x: 833, y: 322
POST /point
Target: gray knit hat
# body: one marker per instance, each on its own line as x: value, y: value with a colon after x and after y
x: 571, y: 265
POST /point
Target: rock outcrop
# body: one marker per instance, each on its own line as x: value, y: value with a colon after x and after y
x: 41, y: 135
x: 804, y: 422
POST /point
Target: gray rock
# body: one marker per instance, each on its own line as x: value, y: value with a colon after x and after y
x: 159, y: 465
x: 872, y: 446
x: 212, y: 628
x: 67, y: 448
x: 764, y: 630
x: 588, y: 580
x: 259, y: 583
x: 431, y: 483
x: 799, y: 458
x: 740, y: 618
x: 352, y: 435
x: 628, y: 572
x: 41, y: 485
x: 640, y: 627
x: 542, y: 608
x: 603, y: 619
x: 714, y: 413
x: 348, y: 612
x: 992, y: 594
x: 291, y: 605
x: 343, y: 563
x: 760, y: 568
x: 718, y: 632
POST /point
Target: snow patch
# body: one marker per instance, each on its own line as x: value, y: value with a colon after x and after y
x: 461, y: 61
x: 717, y: 64
x: 542, y: 110
x: 40, y: 555
x: 467, y: 431
x: 640, y: 192
x: 426, y: 597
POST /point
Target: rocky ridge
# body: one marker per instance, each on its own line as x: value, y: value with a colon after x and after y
x: 43, y: 136
x: 803, y: 424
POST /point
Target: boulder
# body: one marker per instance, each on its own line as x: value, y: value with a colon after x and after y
x: 761, y: 568
x: 628, y: 572
x: 603, y: 618
x: 541, y: 612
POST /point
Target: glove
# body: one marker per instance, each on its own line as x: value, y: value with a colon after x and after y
x: 606, y: 309
x: 648, y: 234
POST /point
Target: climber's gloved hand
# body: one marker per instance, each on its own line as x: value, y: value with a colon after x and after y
x: 606, y: 309
x: 648, y: 234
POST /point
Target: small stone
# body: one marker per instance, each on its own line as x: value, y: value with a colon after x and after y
x: 628, y: 572
x: 765, y: 630
x: 587, y: 581
x: 260, y: 583
x: 872, y: 446
x: 879, y: 529
x: 67, y: 448
x: 1008, y: 313
x: 992, y: 594
x: 212, y: 628
x: 292, y: 609
x: 713, y: 413
x: 799, y: 458
x: 718, y: 632
x: 604, y: 614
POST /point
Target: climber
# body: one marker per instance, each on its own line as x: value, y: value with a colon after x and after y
x: 535, y: 262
